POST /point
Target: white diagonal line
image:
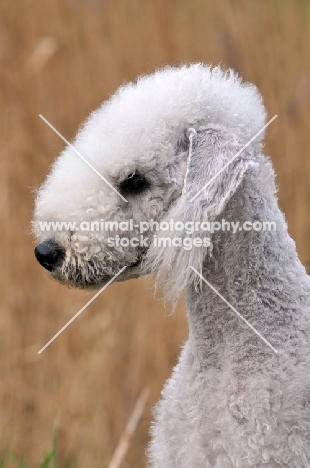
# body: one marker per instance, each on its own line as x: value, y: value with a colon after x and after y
x: 82, y: 157
x: 235, y: 310
x: 232, y: 159
x: 83, y: 308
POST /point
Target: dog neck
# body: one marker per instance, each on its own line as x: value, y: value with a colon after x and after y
x: 259, y: 274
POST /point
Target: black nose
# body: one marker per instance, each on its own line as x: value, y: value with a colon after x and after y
x: 50, y: 254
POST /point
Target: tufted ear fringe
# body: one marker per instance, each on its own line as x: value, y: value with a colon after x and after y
x: 209, y: 184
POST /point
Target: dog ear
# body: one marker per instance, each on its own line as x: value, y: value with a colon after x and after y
x: 217, y: 164
x: 215, y: 167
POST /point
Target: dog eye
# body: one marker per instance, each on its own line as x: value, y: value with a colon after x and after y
x: 134, y: 183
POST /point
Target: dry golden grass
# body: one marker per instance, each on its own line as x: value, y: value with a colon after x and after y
x: 62, y: 58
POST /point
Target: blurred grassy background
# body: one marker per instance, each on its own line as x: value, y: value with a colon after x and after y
x: 62, y: 58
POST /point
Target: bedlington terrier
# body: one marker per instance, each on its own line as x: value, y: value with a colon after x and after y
x: 170, y: 150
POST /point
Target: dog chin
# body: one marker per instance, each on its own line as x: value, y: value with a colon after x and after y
x: 131, y: 272
x: 78, y: 281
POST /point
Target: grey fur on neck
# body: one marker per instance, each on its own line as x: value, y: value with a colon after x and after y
x: 257, y: 272
x: 231, y: 402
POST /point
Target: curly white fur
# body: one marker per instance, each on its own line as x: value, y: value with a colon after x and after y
x: 231, y: 402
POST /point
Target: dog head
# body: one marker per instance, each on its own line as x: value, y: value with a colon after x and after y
x: 161, y: 149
